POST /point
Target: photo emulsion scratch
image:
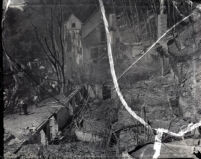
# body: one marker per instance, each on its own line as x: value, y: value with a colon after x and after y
x: 101, y: 79
x: 158, y: 137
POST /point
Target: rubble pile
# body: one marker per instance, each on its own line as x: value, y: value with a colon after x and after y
x: 96, y: 122
x: 71, y: 150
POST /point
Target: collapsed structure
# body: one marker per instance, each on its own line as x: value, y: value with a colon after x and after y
x: 163, y: 88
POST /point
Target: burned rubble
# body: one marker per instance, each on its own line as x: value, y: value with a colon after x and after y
x: 61, y: 101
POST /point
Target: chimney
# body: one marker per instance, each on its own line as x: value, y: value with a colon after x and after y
x: 162, y: 20
x: 112, y: 20
x: 113, y: 27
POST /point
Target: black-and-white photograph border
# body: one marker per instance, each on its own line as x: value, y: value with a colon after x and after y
x: 101, y: 79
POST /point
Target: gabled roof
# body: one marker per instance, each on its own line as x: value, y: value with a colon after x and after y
x: 73, y: 15
x: 91, y: 23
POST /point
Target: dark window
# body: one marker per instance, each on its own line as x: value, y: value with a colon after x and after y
x: 103, y: 35
x: 73, y: 25
x: 106, y: 92
x: 94, y: 53
x: 103, y: 50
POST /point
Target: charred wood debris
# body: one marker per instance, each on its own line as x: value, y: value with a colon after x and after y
x: 85, y: 118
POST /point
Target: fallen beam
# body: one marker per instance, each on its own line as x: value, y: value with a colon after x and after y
x: 46, y: 121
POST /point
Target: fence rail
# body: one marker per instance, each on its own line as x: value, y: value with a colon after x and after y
x: 50, y: 129
x: 138, y: 134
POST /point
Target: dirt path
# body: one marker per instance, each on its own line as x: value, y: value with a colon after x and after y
x: 18, y: 125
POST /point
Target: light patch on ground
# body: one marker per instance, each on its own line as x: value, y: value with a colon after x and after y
x: 19, y: 124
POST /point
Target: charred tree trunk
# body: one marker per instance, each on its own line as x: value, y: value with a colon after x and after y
x: 162, y: 26
x: 63, y: 82
x: 13, y: 99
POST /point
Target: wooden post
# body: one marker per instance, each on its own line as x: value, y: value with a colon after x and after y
x: 53, y: 128
x: 162, y: 27
x: 194, y: 73
x: 43, y: 138
x: 138, y: 21
x: 70, y: 107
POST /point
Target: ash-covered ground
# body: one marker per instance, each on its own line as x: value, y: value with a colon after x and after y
x: 59, y: 95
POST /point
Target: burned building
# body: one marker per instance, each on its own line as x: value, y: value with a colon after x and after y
x: 154, y: 100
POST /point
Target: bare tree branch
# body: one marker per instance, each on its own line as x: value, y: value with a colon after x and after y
x: 53, y: 43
